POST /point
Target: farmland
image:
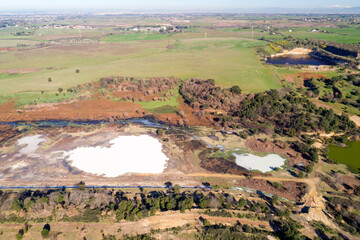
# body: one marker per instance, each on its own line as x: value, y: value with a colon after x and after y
x: 228, y: 61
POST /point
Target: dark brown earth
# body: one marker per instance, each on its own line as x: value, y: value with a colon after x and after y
x: 290, y: 190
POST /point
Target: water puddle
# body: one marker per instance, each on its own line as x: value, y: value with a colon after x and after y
x: 262, y: 164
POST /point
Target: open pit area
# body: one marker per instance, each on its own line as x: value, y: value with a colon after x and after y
x: 120, y: 155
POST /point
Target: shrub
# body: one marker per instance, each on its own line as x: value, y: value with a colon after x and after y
x: 17, y: 205
x: 45, y: 233
x: 235, y: 89
x: 60, y: 199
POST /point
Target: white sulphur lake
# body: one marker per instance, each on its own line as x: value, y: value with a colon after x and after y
x: 127, y: 154
x: 263, y: 164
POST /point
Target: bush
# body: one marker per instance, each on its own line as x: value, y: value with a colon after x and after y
x: 60, y: 199
x: 45, y: 233
x: 235, y: 89
x: 17, y: 205
x: 19, y: 235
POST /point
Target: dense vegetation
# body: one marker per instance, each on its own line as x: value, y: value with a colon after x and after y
x: 285, y: 111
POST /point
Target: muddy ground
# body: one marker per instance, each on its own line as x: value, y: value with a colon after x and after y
x: 48, y: 165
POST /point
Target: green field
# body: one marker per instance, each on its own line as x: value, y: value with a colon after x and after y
x: 228, y: 60
x: 340, y: 35
x: 169, y: 106
x: 134, y: 37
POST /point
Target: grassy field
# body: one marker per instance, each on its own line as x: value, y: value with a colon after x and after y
x: 340, y: 35
x: 224, y: 54
x: 133, y: 37
x: 230, y: 61
x: 169, y: 106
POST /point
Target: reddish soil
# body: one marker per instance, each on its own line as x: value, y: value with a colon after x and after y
x: 302, y: 76
x: 7, y: 49
x: 95, y: 109
x: 289, y: 189
x: 291, y: 155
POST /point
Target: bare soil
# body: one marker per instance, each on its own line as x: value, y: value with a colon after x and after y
x: 290, y: 190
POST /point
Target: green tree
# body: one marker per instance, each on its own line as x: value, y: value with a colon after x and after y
x: 206, y: 222
x: 177, y: 188
x: 241, y: 203
x: 235, y: 89
x: 45, y: 233
x: 204, y: 202
x: 17, y: 205
x: 60, y: 199
x: 19, y: 235
x: 171, y: 204
x: 274, y: 199
x: 81, y: 186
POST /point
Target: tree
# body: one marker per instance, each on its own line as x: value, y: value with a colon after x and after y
x: 235, y: 89
x: 60, y: 90
x: 17, y: 205
x: 77, y: 71
x: 152, y: 211
x: 20, y: 234
x: 204, y: 202
x: 206, y: 222
x: 81, y: 185
x: 289, y: 230
x: 45, y: 231
x: 168, y: 184
x: 60, y: 199
x: 274, y: 199
x: 49, y: 79
x: 241, y: 203
x: 171, y: 204
x: 206, y: 184
x: 177, y: 188
x: 160, y: 131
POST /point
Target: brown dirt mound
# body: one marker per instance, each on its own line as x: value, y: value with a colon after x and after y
x: 289, y: 189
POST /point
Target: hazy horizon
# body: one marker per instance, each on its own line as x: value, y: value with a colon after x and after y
x: 176, y: 5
